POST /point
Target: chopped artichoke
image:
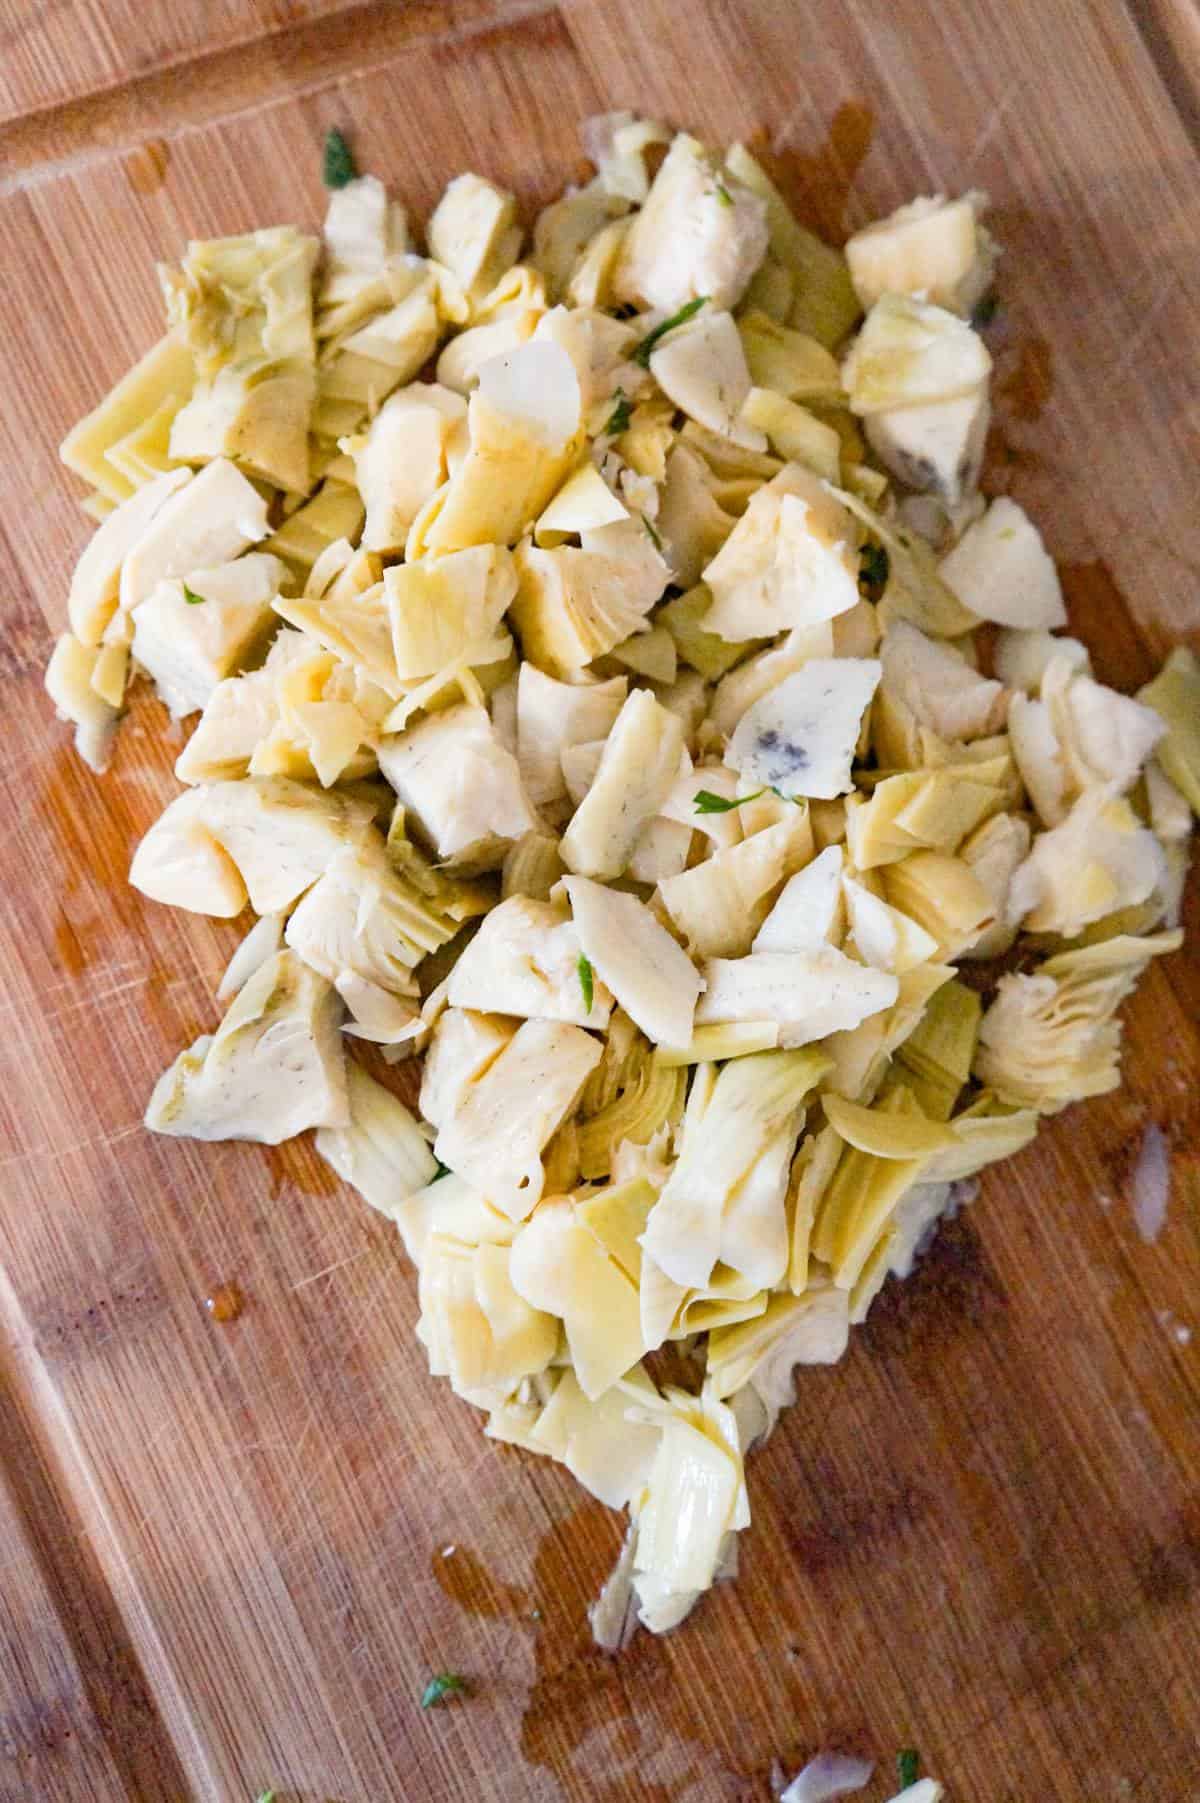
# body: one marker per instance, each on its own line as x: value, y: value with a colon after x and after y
x: 994, y: 852
x: 496, y: 1134
x: 791, y: 560
x: 825, y: 305
x: 807, y: 914
x: 71, y: 687
x: 910, y: 354
x: 809, y: 994
x: 700, y: 234
x: 460, y: 785
x: 639, y: 764
x: 273, y: 1068
x: 1021, y: 657
x: 189, y: 634
x: 559, y: 1265
x: 361, y: 917
x: 800, y: 738
x: 401, y: 461
x: 934, y: 249
x: 462, y: 1048
x: 936, y: 448
x: 381, y: 1150
x: 181, y: 862
x: 809, y: 1329
x: 574, y: 604
x: 205, y: 522
x: 525, y: 960
x: 473, y: 231
x: 1175, y: 697
x: 448, y: 610
x: 701, y: 367
x: 96, y: 582
x: 477, y: 1328
x: 637, y: 959
x: 1100, y: 859
x: 718, y: 906
x: 1002, y: 571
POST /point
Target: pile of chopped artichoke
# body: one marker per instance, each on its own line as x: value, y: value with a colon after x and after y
x: 604, y: 723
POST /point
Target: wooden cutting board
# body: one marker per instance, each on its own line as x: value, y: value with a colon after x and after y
x: 226, y: 1549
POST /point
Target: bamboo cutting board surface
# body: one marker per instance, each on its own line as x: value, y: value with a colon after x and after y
x: 224, y: 1548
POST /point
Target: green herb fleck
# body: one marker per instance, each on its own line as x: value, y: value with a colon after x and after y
x: 192, y: 598
x: 266, y: 1796
x: 586, y: 982
x: 443, y: 1170
x: 443, y: 1685
x: 655, y: 535
x: 708, y: 803
x: 723, y: 195
x: 873, y: 567
x: 641, y: 352
x: 908, y: 1765
x: 986, y: 311
x: 338, y: 166
x: 618, y: 419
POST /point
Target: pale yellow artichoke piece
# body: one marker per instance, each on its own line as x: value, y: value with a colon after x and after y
x: 191, y: 633
x: 559, y: 1265
x: 477, y: 1329
x: 942, y: 894
x: 95, y: 584
x: 910, y: 353
x: 1001, y: 570
x: 720, y: 905
x: 504, y: 1120
x: 791, y: 560
x: 809, y: 1329
x: 525, y: 961
x: 161, y: 379
x: 800, y: 738
x: 462, y: 788
x: 273, y: 1068
x: 700, y: 234
x: 934, y: 248
x: 640, y: 762
x: 1175, y: 697
x: 382, y: 1150
x: 473, y: 231
x: 635, y: 957
x: 702, y: 368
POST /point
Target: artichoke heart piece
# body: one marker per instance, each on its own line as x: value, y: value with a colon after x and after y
x: 1100, y: 859
x: 207, y: 521
x: 526, y: 432
x: 1051, y: 1038
x: 381, y: 1150
x: 942, y: 894
x: 559, y: 1265
x: 720, y: 905
x: 70, y: 684
x: 95, y: 585
x: 801, y: 736
x: 401, y: 460
x: 696, y: 1481
x: 191, y: 634
x: 724, y: 1199
x: 809, y: 1329
x: 273, y: 1068
x: 496, y: 1134
x: 525, y: 961
x: 477, y: 1329
x: 576, y: 603
x: 361, y: 916
x: 154, y: 389
x: 473, y: 231
x: 650, y: 975
x: 701, y: 367
x: 244, y: 307
x: 936, y: 448
x: 933, y: 248
x: 281, y: 835
x: 910, y: 353
x: 1175, y: 697
x: 807, y: 914
x: 462, y: 788
x: 791, y: 560
x: 1002, y: 571
x: 700, y: 234
x: 938, y: 687
x: 552, y: 716
x: 449, y: 610
x: 637, y: 769
x: 594, y: 1438
x: 809, y: 994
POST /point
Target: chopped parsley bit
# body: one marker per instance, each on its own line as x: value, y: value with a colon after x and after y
x: 618, y: 419
x: 908, y: 1765
x: 586, y: 982
x: 723, y: 195
x: 266, y: 1796
x: 192, y: 598
x: 655, y: 537
x: 706, y: 802
x: 443, y: 1170
x: 338, y: 166
x: 443, y: 1685
x: 641, y: 352
x: 873, y: 568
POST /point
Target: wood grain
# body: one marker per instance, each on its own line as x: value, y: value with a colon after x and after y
x: 224, y: 1546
